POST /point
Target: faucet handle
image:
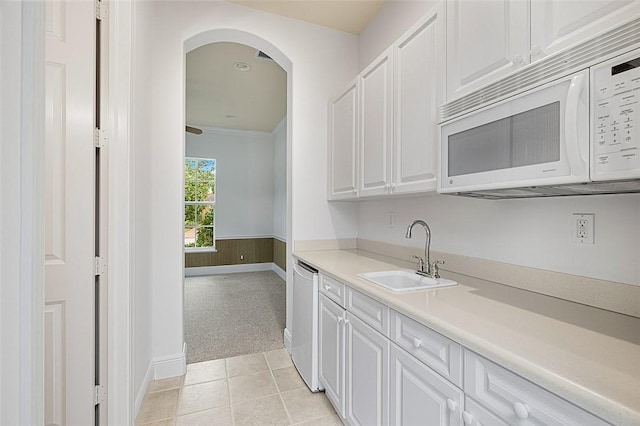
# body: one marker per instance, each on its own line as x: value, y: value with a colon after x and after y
x: 435, y: 269
x: 420, y: 263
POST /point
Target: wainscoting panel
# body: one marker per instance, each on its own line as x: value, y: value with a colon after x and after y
x: 239, y: 251
x: 280, y: 253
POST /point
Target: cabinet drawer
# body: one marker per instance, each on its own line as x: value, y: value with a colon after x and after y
x: 333, y: 289
x: 476, y: 415
x: 438, y: 352
x: 368, y: 310
x: 517, y: 400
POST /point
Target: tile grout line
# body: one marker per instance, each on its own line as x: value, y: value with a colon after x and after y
x: 286, y: 410
x: 226, y: 375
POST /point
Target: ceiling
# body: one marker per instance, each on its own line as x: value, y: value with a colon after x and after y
x: 218, y: 95
x: 350, y: 16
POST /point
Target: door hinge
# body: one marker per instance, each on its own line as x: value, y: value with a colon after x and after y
x: 99, y: 394
x: 99, y: 138
x: 100, y: 266
x: 101, y: 10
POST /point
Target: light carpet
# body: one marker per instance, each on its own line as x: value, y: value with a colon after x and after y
x: 233, y: 314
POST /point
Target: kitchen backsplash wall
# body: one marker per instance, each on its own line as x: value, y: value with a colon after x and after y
x: 533, y: 232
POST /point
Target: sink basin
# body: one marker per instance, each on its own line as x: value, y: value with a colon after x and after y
x: 402, y: 280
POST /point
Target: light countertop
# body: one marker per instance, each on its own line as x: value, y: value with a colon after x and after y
x: 588, y: 356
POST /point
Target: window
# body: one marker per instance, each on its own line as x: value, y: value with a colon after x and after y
x: 199, y: 203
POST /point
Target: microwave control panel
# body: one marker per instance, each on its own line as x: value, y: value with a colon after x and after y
x: 615, y: 119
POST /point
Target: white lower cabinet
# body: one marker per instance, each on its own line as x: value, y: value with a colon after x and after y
x: 516, y: 400
x: 353, y: 366
x: 420, y: 396
x: 331, y: 345
x: 406, y: 374
x: 367, y: 357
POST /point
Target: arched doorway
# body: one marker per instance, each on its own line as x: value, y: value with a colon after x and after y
x: 227, y: 246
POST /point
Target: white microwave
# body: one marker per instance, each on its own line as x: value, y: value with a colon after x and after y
x: 578, y: 134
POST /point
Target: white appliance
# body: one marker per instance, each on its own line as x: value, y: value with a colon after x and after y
x: 304, y: 336
x: 578, y: 134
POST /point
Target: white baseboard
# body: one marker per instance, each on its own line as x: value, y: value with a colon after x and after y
x: 170, y: 366
x: 148, y: 377
x: 227, y: 269
x: 281, y: 272
x: 287, y: 340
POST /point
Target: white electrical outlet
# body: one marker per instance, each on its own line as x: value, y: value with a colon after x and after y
x: 392, y: 220
x: 583, y: 228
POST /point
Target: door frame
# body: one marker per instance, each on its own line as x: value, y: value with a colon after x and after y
x: 22, y: 37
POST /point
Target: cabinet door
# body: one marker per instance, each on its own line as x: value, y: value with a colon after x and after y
x: 556, y: 25
x: 332, y: 352
x: 486, y: 40
x: 343, y: 143
x: 420, y: 396
x: 367, y: 356
x: 376, y: 119
x: 418, y: 91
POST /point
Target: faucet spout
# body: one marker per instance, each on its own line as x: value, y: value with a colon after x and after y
x: 427, y: 245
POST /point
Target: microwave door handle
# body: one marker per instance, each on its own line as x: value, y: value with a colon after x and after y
x: 577, y: 157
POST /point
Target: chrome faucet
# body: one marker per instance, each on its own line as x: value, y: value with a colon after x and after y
x: 432, y: 270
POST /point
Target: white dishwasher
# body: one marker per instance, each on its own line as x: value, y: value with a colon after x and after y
x: 304, y: 336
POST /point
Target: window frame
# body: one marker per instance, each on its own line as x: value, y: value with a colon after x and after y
x: 196, y: 204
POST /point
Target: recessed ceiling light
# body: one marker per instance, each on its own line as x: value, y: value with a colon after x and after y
x: 241, y: 66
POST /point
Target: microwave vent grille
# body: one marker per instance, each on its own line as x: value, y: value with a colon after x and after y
x: 602, y: 47
x: 589, y: 188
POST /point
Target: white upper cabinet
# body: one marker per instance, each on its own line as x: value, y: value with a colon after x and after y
x: 486, y: 40
x: 556, y: 25
x: 397, y: 105
x: 376, y: 130
x: 419, y: 90
x: 343, y: 144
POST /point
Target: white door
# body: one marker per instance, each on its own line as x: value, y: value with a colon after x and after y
x: 486, y: 39
x: 420, y: 396
x: 69, y: 213
x: 556, y: 25
x: 419, y: 92
x: 343, y: 144
x: 366, y: 388
x: 331, y: 370
x: 376, y: 131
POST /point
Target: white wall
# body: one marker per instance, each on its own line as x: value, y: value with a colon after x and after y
x: 321, y: 61
x: 534, y: 232
x: 280, y: 180
x: 244, y: 179
x: 141, y: 196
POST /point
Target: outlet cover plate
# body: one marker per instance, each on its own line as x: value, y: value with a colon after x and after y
x: 583, y: 228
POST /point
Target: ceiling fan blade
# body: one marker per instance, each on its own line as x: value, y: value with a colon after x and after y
x: 193, y: 130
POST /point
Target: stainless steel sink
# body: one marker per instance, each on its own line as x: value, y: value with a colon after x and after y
x: 402, y: 280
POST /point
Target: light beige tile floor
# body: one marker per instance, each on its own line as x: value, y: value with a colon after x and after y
x: 256, y: 389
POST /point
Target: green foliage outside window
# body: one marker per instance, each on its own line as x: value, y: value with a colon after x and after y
x: 199, y: 202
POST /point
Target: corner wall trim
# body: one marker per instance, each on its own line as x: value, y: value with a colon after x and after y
x: 287, y: 340
x: 278, y: 270
x: 227, y: 269
x: 148, y: 377
x: 170, y: 366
